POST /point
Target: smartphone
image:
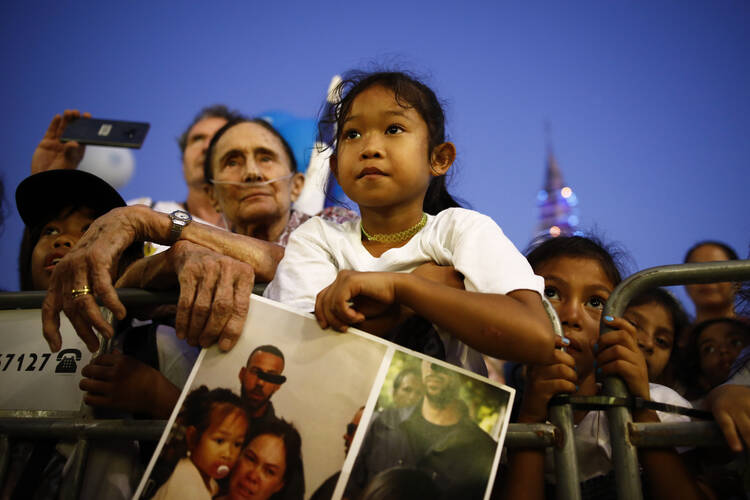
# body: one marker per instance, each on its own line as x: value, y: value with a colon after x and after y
x: 101, y: 132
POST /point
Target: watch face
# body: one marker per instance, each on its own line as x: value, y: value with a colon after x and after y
x: 181, y: 216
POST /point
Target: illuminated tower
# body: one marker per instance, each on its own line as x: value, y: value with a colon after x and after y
x: 557, y: 203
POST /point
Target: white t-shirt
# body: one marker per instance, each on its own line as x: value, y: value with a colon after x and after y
x: 470, y: 242
x: 593, y: 449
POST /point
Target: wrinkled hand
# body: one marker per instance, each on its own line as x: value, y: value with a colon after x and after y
x: 119, y: 382
x: 92, y: 262
x: 545, y: 381
x: 51, y: 154
x: 618, y: 354
x: 730, y: 405
x: 335, y: 305
x: 214, y: 295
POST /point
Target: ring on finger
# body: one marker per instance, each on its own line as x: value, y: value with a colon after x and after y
x: 79, y: 292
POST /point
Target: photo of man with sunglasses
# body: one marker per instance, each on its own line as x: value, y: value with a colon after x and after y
x: 260, y: 378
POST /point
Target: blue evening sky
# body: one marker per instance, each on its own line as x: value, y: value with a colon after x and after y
x: 649, y: 102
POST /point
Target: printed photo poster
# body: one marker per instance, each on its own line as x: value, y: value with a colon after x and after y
x: 283, y: 415
x: 436, y: 431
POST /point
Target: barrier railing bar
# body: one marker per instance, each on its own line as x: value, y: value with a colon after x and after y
x: 40, y: 428
x: 566, y: 463
x: 131, y: 297
x: 531, y: 436
x: 624, y: 454
x: 71, y: 486
x: 660, y: 435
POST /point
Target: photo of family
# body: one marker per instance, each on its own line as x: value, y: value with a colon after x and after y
x: 278, y: 415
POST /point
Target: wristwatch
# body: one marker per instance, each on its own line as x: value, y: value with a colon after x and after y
x: 180, y: 219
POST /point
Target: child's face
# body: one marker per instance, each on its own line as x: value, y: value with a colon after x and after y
x: 220, y: 444
x: 655, y: 329
x: 382, y: 157
x: 718, y: 347
x: 710, y: 294
x: 57, y: 238
x: 577, y: 288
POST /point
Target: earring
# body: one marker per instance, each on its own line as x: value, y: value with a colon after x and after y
x: 188, y: 453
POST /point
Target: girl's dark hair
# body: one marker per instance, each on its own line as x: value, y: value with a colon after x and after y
x: 200, y: 403
x: 729, y: 251
x: 32, y: 234
x: 208, y: 172
x: 664, y: 298
x: 587, y: 247
x: 409, y: 93
x: 670, y: 377
x: 693, y: 365
x: 294, y: 479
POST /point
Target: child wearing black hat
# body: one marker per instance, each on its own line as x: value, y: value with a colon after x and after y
x: 57, y: 207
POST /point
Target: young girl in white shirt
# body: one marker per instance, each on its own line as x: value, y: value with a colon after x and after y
x: 390, y: 156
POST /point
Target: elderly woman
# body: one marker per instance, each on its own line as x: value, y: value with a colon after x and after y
x: 255, y: 182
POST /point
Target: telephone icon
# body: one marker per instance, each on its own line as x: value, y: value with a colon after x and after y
x: 66, y: 360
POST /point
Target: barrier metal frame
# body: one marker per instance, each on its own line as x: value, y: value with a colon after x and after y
x: 625, y: 435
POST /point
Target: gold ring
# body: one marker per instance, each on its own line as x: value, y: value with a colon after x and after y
x: 78, y: 292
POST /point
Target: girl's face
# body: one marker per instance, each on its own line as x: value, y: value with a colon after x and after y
x: 655, y: 329
x: 577, y: 287
x: 710, y: 294
x: 718, y: 347
x: 57, y: 238
x: 383, y: 158
x: 260, y: 470
x: 219, y: 446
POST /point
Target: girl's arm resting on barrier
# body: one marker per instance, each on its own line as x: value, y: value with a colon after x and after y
x: 382, y: 319
x: 513, y: 326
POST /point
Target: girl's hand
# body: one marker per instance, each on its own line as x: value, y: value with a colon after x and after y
x: 119, y: 382
x: 617, y: 353
x: 545, y: 381
x: 353, y: 297
x: 730, y: 405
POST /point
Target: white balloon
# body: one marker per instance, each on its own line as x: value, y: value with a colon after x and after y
x: 114, y: 165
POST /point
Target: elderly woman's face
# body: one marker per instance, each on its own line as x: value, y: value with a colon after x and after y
x: 248, y: 152
x: 259, y: 473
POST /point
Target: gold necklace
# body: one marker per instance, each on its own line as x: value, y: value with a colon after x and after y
x: 395, y: 237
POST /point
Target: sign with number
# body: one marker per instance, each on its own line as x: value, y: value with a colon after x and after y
x: 31, y: 376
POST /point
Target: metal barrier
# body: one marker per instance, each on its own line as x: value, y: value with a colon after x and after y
x: 625, y: 435
x: 624, y: 456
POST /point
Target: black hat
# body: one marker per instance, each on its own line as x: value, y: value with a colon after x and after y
x: 45, y: 193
